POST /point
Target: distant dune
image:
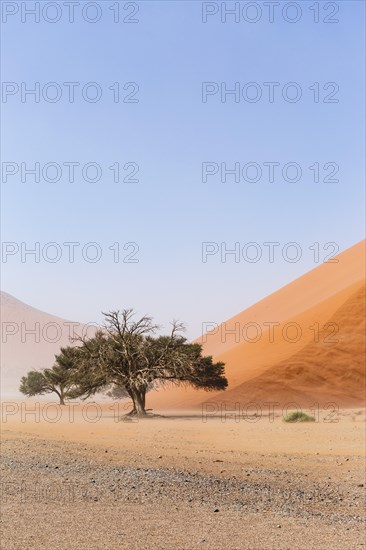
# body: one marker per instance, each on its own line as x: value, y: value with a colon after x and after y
x: 303, y: 343
x: 30, y: 338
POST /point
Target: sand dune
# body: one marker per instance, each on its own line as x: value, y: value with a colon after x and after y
x: 30, y: 338
x: 330, y: 370
x: 290, y: 301
x: 331, y: 293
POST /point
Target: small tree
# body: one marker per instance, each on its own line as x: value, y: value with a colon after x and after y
x: 34, y: 383
x: 128, y: 355
x: 58, y: 379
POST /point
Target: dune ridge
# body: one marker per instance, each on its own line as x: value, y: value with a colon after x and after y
x: 30, y: 338
x: 330, y: 370
x: 257, y: 370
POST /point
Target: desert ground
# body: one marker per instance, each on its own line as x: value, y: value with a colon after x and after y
x: 93, y: 480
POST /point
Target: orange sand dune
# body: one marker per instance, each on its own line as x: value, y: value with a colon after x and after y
x: 250, y: 359
x: 330, y: 370
x: 301, y: 310
x: 293, y: 299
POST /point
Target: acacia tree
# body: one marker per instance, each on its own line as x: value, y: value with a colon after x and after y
x: 128, y: 355
x: 58, y: 379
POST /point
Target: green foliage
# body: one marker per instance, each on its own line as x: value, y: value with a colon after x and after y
x: 58, y: 379
x: 34, y: 383
x: 117, y: 392
x: 128, y: 356
x: 298, y: 416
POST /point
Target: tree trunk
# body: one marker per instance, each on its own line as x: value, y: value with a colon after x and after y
x: 60, y: 395
x: 138, y: 398
x: 143, y: 397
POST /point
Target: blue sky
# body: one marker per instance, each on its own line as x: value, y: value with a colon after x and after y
x: 169, y: 133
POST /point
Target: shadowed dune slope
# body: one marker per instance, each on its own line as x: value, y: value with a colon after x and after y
x: 305, y: 317
x: 331, y: 369
x: 292, y: 300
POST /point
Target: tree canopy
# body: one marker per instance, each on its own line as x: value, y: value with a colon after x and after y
x: 58, y: 379
x: 128, y: 355
x: 127, y: 358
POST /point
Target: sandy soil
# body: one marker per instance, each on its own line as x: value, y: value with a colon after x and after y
x: 181, y: 482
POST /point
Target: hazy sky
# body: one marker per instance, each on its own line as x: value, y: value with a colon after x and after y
x: 164, y: 121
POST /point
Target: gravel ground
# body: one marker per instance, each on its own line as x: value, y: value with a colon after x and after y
x: 66, y: 495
